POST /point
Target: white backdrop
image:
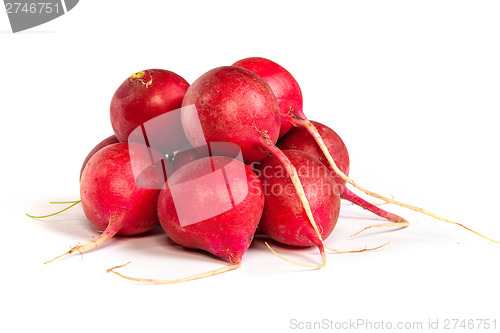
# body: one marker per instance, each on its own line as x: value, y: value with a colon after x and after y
x: 412, y: 88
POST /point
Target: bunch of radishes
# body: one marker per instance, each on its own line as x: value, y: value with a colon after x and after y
x: 215, y: 160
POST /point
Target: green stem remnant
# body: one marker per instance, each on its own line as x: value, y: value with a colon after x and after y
x: 73, y: 203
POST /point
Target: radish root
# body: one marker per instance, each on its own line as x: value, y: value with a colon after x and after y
x: 312, y: 130
x: 323, y: 257
x: 381, y: 203
x: 115, y: 224
x: 356, y: 251
x: 185, y: 279
x: 292, y: 173
x: 381, y: 225
x: 397, y: 220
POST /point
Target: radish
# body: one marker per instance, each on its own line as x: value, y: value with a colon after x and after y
x: 285, y: 87
x: 228, y: 201
x: 300, y: 139
x: 119, y: 190
x: 106, y: 142
x: 289, y: 95
x: 283, y: 218
x: 231, y: 104
x: 150, y: 95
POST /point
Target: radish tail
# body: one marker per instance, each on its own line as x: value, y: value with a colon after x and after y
x: 356, y: 251
x: 115, y: 224
x: 225, y: 269
x: 312, y: 130
x: 352, y: 197
x: 323, y: 257
x: 396, y: 220
x: 292, y: 173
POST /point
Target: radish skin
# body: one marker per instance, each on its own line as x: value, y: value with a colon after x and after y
x: 227, y: 234
x: 144, y: 96
x: 110, y: 195
x: 281, y: 82
x: 300, y: 138
x: 281, y: 219
x: 235, y: 105
x: 104, y: 143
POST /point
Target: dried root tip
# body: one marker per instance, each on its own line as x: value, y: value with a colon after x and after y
x: 225, y: 269
x: 357, y: 251
x: 78, y: 248
x: 323, y: 257
x: 73, y: 203
x: 115, y: 224
x: 402, y: 225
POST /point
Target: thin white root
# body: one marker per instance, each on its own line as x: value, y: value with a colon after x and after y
x: 115, y: 224
x: 78, y: 248
x: 356, y: 251
x: 312, y: 130
x: 323, y: 256
x: 380, y: 203
x: 294, y: 177
x: 189, y: 278
x: 402, y: 225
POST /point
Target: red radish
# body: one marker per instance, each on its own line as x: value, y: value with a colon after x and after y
x: 146, y: 95
x: 284, y: 87
x: 287, y: 91
x: 297, y: 138
x: 234, y: 105
x: 300, y: 139
x: 228, y: 201
x: 111, y: 198
x: 106, y: 142
x: 283, y: 218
